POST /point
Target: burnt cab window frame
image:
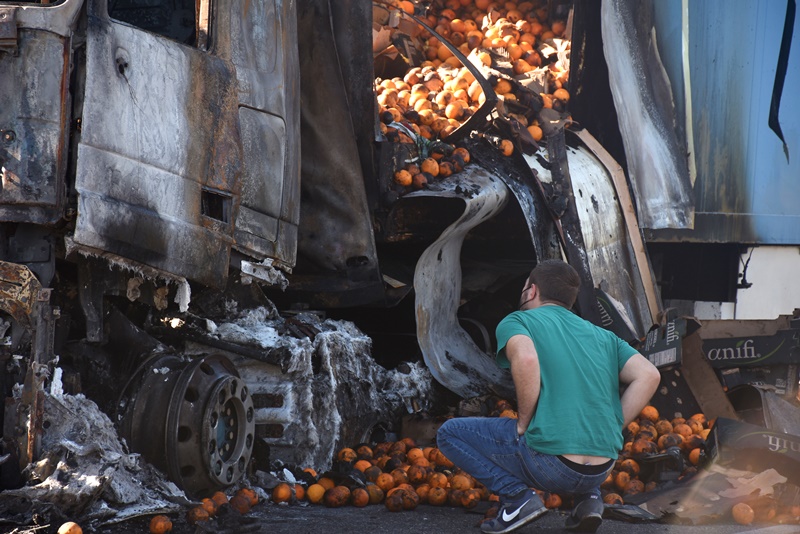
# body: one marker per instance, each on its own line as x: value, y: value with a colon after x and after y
x: 184, y: 21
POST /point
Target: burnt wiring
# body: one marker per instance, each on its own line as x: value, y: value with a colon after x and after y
x: 744, y: 284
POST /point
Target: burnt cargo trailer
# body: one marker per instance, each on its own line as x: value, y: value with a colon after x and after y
x: 167, y: 165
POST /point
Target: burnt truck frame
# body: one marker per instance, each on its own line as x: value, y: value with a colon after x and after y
x: 154, y: 154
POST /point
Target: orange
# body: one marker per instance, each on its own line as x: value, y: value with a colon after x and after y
x: 70, y: 528
x: 552, y: 500
x: 363, y: 465
x: 647, y: 432
x: 375, y: 494
x: 219, y: 498
x: 454, y: 497
x: 677, y: 421
x: 694, y: 456
x: 742, y: 513
x: 400, y: 476
x: 700, y: 418
x: 372, y: 473
x: 336, y: 497
x: 692, y: 442
x: 209, y: 506
x: 561, y: 94
x: 394, y: 503
x: 444, y: 461
x: 315, y: 493
x: 422, y: 462
x: 612, y: 498
x: 461, y: 482
x: 633, y: 427
x: 427, y: 451
x: 360, y: 497
x: 364, y: 452
x: 420, y: 180
x: 414, y: 453
x: 634, y: 486
x: 663, y: 427
x: 160, y: 524
x: 536, y: 133
x: 511, y: 414
x: 670, y: 440
x: 629, y: 466
x: 241, y: 504
x: 643, y: 446
x: 299, y: 493
x: 470, y: 498
x: 193, y: 516
x: 649, y: 412
x: 621, y: 480
x: 696, y: 426
x: 346, y: 455
x: 385, y: 481
x: 417, y: 474
x: 437, y: 480
x: 251, y: 495
x: 507, y: 148
x: 310, y: 471
x: 410, y: 499
x: 407, y: 6
x: 437, y: 496
x: 281, y: 493
x: 326, y: 482
x: 423, y: 490
x: 683, y: 429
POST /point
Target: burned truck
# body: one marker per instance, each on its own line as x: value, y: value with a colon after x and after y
x: 167, y: 166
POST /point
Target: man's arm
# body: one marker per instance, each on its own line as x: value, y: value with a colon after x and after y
x: 642, y: 378
x: 525, y: 372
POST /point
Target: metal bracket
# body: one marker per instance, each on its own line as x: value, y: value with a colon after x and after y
x: 8, y: 28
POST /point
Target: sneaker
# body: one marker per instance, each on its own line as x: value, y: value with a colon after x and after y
x: 512, y: 516
x: 586, y: 516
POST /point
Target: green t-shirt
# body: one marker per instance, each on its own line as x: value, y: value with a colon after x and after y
x: 579, y: 410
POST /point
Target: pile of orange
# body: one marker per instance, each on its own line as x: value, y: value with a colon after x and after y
x: 434, y: 99
x: 398, y: 474
x: 651, y: 434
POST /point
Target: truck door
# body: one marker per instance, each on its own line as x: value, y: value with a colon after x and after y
x: 159, y: 160
x: 35, y: 60
x: 260, y: 38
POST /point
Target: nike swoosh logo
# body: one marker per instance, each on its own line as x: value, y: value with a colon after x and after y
x: 515, y: 513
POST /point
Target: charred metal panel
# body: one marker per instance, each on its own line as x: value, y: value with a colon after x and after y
x: 746, y: 189
x: 34, y: 118
x: 335, y: 231
x: 657, y: 163
x: 608, y: 250
x: 159, y: 159
x: 452, y: 357
x: 260, y: 38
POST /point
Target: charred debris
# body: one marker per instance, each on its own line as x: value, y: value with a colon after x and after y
x: 190, y: 301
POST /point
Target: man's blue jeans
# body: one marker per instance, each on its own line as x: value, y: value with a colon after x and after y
x: 489, y: 449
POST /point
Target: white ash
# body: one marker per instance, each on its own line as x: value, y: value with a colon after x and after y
x: 337, y: 399
x: 86, y: 470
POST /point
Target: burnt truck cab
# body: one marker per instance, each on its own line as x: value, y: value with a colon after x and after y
x: 152, y: 152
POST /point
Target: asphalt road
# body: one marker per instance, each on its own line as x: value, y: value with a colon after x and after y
x: 315, y: 519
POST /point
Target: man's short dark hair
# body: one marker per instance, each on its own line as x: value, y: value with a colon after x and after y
x: 556, y: 281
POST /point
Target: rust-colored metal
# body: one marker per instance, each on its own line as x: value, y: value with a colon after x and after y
x: 19, y: 290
